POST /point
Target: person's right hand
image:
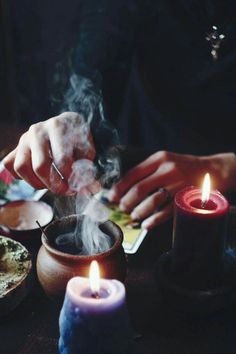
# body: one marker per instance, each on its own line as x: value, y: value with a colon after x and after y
x: 62, y: 139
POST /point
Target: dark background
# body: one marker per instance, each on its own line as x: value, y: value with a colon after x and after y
x: 35, y: 35
x: 35, y: 43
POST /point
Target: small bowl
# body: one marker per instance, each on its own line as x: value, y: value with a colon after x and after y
x: 55, y: 268
x: 18, y: 220
x: 15, y: 274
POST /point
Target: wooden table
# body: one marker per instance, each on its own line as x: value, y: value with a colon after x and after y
x: 33, y: 327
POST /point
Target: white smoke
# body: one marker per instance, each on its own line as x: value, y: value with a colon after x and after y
x: 83, y: 175
x: 87, y: 238
x: 83, y: 99
x: 95, y: 213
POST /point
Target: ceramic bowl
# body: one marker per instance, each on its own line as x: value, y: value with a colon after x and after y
x: 18, y: 220
x: 15, y: 274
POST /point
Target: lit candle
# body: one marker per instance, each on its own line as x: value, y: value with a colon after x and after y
x: 199, y: 231
x: 94, y: 317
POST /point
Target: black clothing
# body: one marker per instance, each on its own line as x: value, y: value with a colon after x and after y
x: 193, y: 98
x: 160, y: 85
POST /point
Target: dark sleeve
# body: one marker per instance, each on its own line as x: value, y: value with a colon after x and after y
x: 99, y: 47
x: 105, y: 49
x: 101, y: 64
x: 100, y: 69
x: 105, y: 40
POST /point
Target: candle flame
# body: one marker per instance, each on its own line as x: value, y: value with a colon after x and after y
x: 206, y: 188
x: 94, y: 277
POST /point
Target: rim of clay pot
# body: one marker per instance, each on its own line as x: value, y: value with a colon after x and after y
x: 118, y: 239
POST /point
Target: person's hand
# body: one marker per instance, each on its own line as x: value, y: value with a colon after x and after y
x: 148, y: 189
x: 62, y: 139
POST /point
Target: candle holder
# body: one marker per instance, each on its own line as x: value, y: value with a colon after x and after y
x: 55, y: 267
x: 178, y: 294
x: 196, y: 276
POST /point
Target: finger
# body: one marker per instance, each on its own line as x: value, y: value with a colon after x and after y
x: 91, y: 189
x: 43, y: 164
x: 87, y: 151
x: 41, y: 161
x: 163, y: 176
x: 19, y: 161
x: 94, y: 187
x: 57, y: 182
x: 8, y: 163
x: 32, y: 160
x: 155, y: 201
x: 159, y: 217
x: 62, y: 153
x: 23, y: 167
x: 22, y: 163
x: 136, y: 174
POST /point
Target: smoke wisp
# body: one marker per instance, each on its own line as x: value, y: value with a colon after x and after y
x: 83, y: 99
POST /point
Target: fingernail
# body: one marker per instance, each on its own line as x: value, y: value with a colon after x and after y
x: 134, y: 216
x: 70, y: 192
x: 112, y: 196
x: 122, y: 207
x: 145, y: 225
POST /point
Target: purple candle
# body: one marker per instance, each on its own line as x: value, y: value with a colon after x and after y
x: 200, y: 223
x: 94, y: 317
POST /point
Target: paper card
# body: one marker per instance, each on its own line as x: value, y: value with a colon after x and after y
x: 133, y: 234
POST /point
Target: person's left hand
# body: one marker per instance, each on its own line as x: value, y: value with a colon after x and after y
x: 147, y: 190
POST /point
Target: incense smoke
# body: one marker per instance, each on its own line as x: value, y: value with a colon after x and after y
x: 83, y: 98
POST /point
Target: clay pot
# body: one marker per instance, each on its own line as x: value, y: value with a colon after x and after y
x: 55, y: 268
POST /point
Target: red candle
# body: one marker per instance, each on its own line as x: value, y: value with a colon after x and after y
x: 199, y: 232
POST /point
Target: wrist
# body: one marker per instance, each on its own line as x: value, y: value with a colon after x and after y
x: 222, y: 168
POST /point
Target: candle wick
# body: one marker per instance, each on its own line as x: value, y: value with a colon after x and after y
x: 203, y: 204
x: 96, y: 295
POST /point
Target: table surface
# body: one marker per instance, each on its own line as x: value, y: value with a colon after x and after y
x: 33, y: 326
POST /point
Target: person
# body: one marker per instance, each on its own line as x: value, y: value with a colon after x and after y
x: 184, y: 62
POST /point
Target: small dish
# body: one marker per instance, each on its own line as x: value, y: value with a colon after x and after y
x: 18, y: 220
x: 15, y: 271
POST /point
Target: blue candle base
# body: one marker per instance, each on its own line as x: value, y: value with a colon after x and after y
x: 197, y: 301
x: 94, y: 334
